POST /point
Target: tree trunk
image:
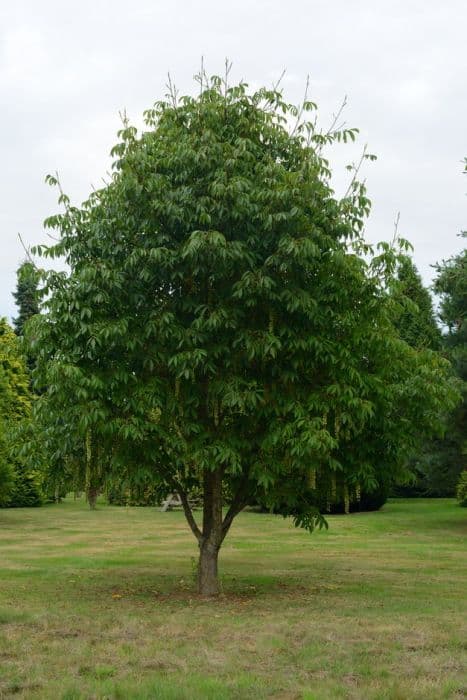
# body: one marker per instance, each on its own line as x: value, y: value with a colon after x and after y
x: 92, y: 497
x: 208, y: 582
x: 215, y: 528
x: 211, y: 539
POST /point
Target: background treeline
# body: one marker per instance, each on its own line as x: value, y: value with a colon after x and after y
x: 437, y: 468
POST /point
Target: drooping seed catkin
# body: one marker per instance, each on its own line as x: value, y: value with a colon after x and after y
x: 346, y: 500
x: 312, y: 479
x: 272, y: 319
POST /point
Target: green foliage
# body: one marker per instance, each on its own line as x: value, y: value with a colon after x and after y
x: 18, y: 485
x: 15, y: 398
x: 27, y: 489
x: 415, y: 321
x: 414, y: 316
x: 451, y: 285
x: 26, y: 295
x: 27, y: 300
x: 6, y: 474
x: 461, y: 491
x: 223, y: 321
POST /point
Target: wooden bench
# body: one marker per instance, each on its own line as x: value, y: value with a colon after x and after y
x: 173, y: 500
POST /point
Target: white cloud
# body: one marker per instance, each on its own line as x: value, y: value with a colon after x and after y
x: 23, y: 58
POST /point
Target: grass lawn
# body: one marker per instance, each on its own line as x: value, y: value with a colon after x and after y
x: 101, y: 605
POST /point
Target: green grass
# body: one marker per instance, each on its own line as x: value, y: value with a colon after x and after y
x: 102, y: 605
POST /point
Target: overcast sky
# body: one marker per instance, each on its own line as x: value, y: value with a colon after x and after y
x: 67, y: 68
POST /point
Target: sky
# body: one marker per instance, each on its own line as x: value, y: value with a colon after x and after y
x: 68, y: 68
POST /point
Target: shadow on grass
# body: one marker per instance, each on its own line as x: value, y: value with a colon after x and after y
x: 125, y: 588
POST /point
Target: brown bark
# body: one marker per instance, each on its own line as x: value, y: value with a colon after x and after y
x: 214, y: 528
x: 211, y: 539
x: 189, y: 514
x: 239, y: 501
x: 92, y: 494
x: 208, y: 580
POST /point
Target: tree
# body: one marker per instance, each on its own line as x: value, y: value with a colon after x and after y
x: 15, y: 398
x: 19, y: 486
x: 223, y: 322
x: 415, y: 320
x: 414, y: 316
x: 6, y: 468
x: 451, y: 285
x: 26, y: 295
x: 461, y: 490
x: 27, y: 300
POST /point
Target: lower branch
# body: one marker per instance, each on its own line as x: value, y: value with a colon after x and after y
x: 189, y: 515
x: 239, y: 502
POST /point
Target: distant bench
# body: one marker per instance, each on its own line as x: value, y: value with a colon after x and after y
x: 173, y: 500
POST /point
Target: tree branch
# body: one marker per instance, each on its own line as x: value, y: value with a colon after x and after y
x: 275, y: 86
x: 189, y: 515
x: 396, y: 228
x: 238, y: 503
x: 28, y: 254
x: 336, y: 117
x: 300, y: 111
x: 356, y: 170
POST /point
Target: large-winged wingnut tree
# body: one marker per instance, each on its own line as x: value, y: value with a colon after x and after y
x: 223, y: 323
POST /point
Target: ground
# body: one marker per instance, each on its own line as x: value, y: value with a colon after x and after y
x: 102, y: 605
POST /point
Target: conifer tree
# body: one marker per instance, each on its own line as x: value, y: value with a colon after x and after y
x: 415, y: 320
x: 26, y: 296
x: 414, y: 316
x: 27, y: 301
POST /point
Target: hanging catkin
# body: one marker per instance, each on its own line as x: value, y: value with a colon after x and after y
x: 337, y: 426
x: 346, y: 500
x: 272, y: 318
x: 333, y: 488
x: 312, y: 479
x: 88, y: 460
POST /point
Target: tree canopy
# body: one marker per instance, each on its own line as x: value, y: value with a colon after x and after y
x: 223, y: 322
